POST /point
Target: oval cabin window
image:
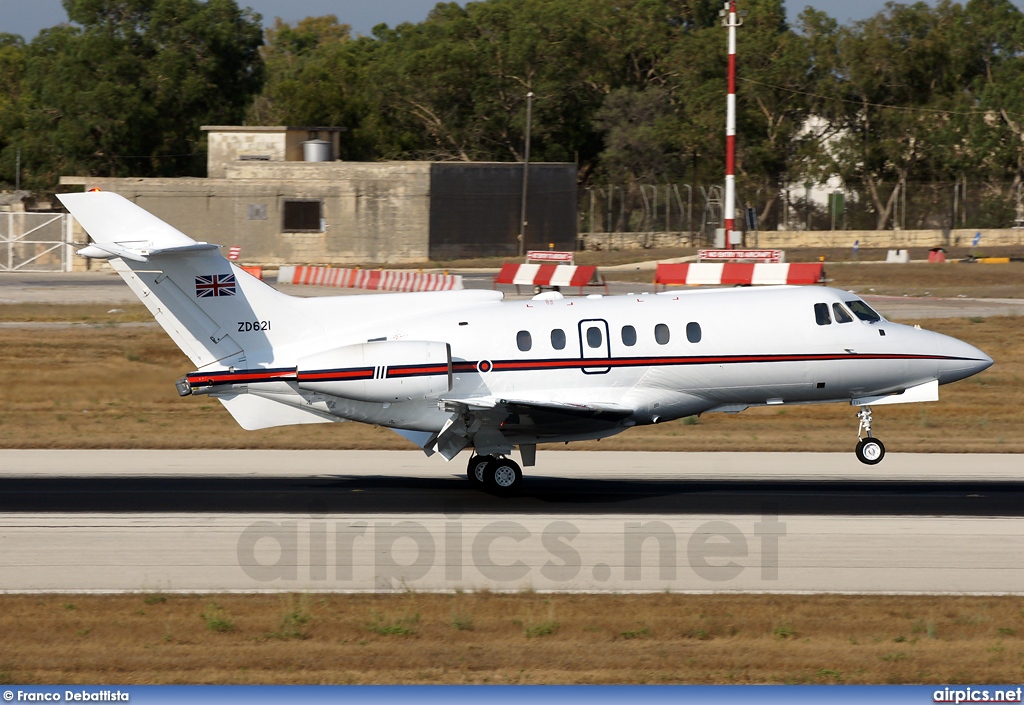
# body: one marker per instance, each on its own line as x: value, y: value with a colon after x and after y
x: 558, y: 339
x: 661, y: 334
x: 693, y: 332
x: 524, y: 340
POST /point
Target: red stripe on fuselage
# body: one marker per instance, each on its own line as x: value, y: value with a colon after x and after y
x: 329, y: 375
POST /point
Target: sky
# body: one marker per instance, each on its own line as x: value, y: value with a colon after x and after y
x: 27, y: 17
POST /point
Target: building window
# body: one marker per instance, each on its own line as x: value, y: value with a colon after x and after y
x: 661, y: 334
x: 303, y: 217
x: 594, y: 337
x: 821, y: 315
x: 693, y: 332
x: 558, y: 339
x: 524, y: 340
x: 628, y: 336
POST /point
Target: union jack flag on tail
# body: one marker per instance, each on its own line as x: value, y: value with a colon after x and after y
x: 215, y: 285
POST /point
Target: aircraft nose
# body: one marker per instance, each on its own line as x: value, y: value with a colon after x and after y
x: 961, y: 360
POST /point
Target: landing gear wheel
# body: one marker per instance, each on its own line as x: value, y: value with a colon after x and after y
x: 503, y: 476
x: 870, y: 451
x: 475, y: 471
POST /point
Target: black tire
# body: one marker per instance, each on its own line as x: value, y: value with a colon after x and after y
x: 870, y: 451
x: 503, y: 477
x: 476, y: 470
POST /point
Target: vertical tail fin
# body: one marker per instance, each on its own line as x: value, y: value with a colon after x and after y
x: 215, y: 312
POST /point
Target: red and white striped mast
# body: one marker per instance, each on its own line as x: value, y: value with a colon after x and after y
x: 732, y: 20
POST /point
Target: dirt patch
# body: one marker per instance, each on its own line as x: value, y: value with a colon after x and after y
x: 113, y: 387
x: 525, y: 638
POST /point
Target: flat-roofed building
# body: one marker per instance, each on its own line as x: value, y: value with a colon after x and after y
x: 264, y: 194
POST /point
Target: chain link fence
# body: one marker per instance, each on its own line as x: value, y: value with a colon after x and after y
x: 688, y: 214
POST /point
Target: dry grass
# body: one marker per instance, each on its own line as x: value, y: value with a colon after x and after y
x: 113, y: 387
x: 1001, y: 281
x: 525, y: 638
x: 94, y: 314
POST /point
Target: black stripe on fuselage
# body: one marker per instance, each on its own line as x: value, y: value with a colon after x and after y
x: 535, y: 365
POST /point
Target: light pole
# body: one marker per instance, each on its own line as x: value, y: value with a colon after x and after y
x: 526, y: 175
x: 732, y: 20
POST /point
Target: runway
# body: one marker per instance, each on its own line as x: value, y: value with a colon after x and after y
x: 377, y: 520
x: 106, y: 287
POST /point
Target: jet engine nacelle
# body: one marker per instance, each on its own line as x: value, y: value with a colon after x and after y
x: 384, y: 371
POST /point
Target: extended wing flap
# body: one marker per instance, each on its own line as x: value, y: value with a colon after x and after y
x: 605, y: 412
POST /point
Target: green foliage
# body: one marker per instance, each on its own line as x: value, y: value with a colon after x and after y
x: 643, y: 633
x: 633, y: 92
x: 784, y: 631
x: 124, y: 90
x: 545, y: 628
x: 400, y: 626
x: 294, y: 619
x: 217, y: 619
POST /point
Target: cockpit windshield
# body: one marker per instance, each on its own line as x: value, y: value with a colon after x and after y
x: 862, y: 311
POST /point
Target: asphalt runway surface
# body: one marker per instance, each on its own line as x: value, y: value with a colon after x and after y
x: 106, y: 287
x: 389, y: 520
x: 113, y: 521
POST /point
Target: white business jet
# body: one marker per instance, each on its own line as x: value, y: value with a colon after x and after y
x: 465, y: 369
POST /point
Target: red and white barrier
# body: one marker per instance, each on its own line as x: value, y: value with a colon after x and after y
x: 373, y: 279
x: 548, y: 275
x: 736, y: 273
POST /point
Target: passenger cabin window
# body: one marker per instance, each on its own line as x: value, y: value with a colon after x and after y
x: 594, y: 337
x: 628, y: 336
x: 661, y: 334
x: 524, y: 340
x: 821, y: 315
x: 693, y: 332
x: 558, y: 339
x: 841, y: 314
x: 864, y: 312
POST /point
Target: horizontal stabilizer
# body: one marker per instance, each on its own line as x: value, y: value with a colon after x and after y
x: 111, y: 219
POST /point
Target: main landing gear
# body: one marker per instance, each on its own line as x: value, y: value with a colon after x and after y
x: 870, y: 450
x: 496, y: 474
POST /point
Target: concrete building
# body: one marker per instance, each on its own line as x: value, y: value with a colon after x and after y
x: 262, y: 196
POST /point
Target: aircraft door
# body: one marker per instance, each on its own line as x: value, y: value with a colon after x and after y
x: 595, y: 344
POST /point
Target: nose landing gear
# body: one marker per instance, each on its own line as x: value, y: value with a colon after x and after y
x: 501, y: 476
x: 870, y: 450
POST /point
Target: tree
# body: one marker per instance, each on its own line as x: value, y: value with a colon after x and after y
x: 124, y: 90
x: 12, y: 69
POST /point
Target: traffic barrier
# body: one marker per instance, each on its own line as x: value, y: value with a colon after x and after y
x: 255, y: 270
x: 716, y: 273
x: 373, y: 279
x: 549, y: 275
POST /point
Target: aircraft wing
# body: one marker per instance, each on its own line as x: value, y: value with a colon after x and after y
x: 495, y: 424
x: 547, y: 411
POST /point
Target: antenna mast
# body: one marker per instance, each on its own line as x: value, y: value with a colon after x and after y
x: 732, y: 20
